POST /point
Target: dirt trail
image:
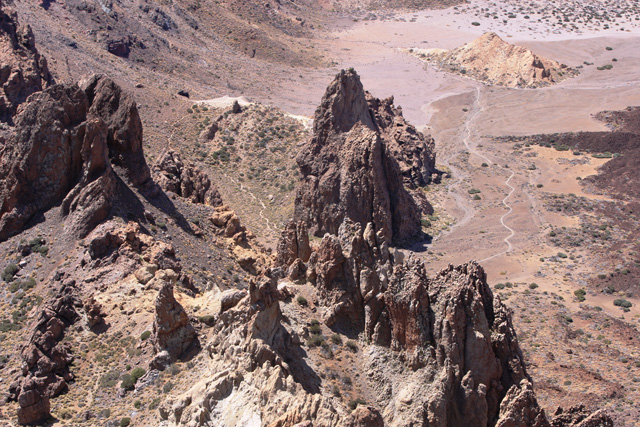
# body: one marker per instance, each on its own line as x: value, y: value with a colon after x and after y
x: 454, y: 190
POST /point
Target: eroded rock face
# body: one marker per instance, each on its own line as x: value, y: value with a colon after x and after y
x: 185, y: 180
x: 414, y: 152
x: 62, y: 150
x: 490, y: 59
x: 293, y: 244
x: 23, y: 70
x: 171, y: 328
x: 46, y: 358
x: 349, y: 170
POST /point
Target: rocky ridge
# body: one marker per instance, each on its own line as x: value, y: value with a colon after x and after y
x: 23, y: 70
x: 63, y: 149
x: 356, y: 164
x: 491, y: 60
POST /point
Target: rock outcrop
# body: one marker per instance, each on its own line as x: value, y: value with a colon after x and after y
x: 46, y: 358
x: 172, y: 331
x: 23, y: 70
x: 185, y: 180
x: 492, y: 60
x: 62, y: 149
x: 350, y: 169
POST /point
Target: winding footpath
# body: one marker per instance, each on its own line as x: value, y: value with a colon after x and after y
x: 470, y: 212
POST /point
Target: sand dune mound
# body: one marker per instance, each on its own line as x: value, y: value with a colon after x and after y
x: 492, y: 60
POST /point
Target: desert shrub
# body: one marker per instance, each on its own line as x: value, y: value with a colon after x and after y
x: 167, y: 387
x: 302, y: 300
x: 315, y: 341
x: 145, y: 335
x: 499, y: 286
x: 315, y: 329
x: 351, y: 345
x: 474, y: 191
x: 562, y: 255
x: 484, y: 165
x: 621, y: 302
x: 476, y: 197
x: 128, y: 383
x: 336, y: 339
x: 353, y: 404
x: 608, y: 48
x: 580, y: 294
x: 9, y: 271
x: 125, y: 422
x: 137, y: 373
x: 539, y: 185
x: 475, y: 24
x: 137, y: 404
x: 208, y: 319
x: 533, y: 286
x: 109, y: 379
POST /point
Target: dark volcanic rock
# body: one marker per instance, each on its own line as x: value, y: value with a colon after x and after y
x: 62, y: 150
x: 185, y: 180
x: 46, y: 358
x: 349, y: 169
x: 414, y: 152
x: 120, y: 47
x: 23, y: 70
x: 119, y: 112
x: 293, y: 244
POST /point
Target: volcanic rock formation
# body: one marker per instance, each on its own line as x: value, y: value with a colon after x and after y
x: 62, y: 149
x: 185, y: 180
x: 350, y: 169
x: 23, y: 70
x: 172, y: 331
x: 492, y: 60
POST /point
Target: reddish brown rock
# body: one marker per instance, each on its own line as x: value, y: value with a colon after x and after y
x: 293, y: 244
x: 364, y: 416
x: 119, y: 112
x: 62, y: 150
x: 414, y: 152
x: 172, y: 331
x: 46, y: 358
x: 23, y: 70
x: 185, y: 180
x: 348, y: 170
x: 579, y: 416
x: 520, y: 408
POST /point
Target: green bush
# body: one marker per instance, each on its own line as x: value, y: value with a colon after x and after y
x: 580, y: 294
x: 336, y: 339
x: 351, y: 345
x: 302, y: 300
x: 208, y: 319
x: 167, y: 387
x: 353, y: 404
x: 315, y: 329
x: 562, y: 255
x: 145, y: 335
x: 621, y: 302
x: 315, y: 341
x: 499, y: 286
x: 125, y: 422
x: 533, y: 286
x: 137, y: 373
x: 137, y: 404
x: 128, y: 383
x: 475, y: 24
x: 484, y: 165
x: 109, y: 379
x: 9, y: 271
x: 474, y: 191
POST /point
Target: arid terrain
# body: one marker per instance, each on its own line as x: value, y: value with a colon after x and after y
x: 266, y: 213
